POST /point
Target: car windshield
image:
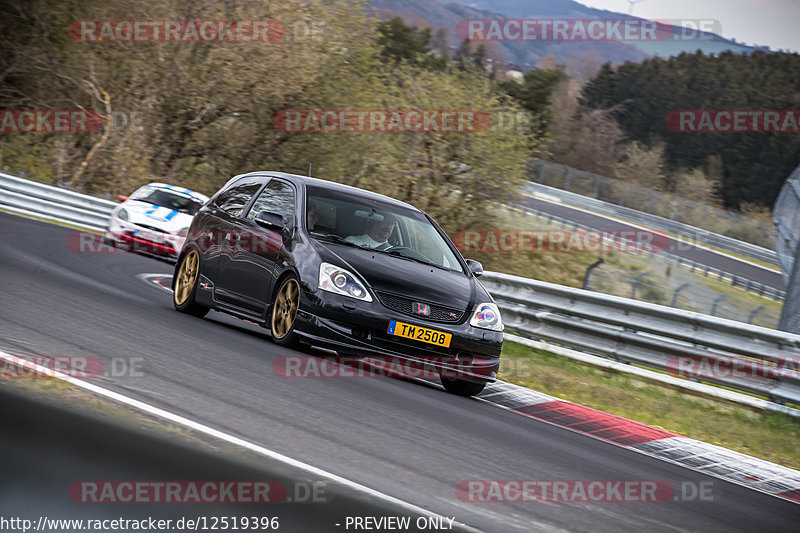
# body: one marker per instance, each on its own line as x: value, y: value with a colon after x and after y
x: 380, y: 226
x: 169, y: 199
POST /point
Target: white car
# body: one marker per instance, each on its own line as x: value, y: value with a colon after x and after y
x: 154, y: 220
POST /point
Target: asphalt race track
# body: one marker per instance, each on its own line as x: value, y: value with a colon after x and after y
x: 684, y: 250
x: 409, y: 440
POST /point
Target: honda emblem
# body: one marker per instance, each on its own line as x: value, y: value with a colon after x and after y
x: 422, y: 309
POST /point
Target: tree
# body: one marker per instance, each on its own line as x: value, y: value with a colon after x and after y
x: 208, y: 110
x: 585, y: 138
x: 454, y: 176
x: 205, y: 108
x: 535, y: 92
x: 695, y: 185
x: 479, y: 57
x: 754, y: 164
x: 441, y: 41
x: 400, y: 42
x: 643, y: 166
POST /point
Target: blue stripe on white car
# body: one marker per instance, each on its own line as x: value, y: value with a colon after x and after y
x: 161, y: 213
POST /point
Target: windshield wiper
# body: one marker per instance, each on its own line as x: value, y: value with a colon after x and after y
x: 399, y: 253
x: 332, y: 236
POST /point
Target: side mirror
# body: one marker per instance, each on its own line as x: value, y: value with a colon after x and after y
x: 475, y: 267
x: 268, y: 220
x: 122, y: 198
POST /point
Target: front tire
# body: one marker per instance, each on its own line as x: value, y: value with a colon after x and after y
x: 185, y: 286
x: 462, y: 387
x: 283, y: 315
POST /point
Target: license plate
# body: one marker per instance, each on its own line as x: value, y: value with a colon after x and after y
x: 418, y: 333
x: 147, y: 235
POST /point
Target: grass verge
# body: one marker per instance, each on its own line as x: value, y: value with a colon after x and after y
x: 771, y: 436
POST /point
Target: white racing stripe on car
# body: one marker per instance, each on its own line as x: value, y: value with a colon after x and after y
x: 201, y: 428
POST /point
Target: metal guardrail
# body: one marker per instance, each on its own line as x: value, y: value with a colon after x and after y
x: 27, y: 197
x: 787, y: 243
x: 724, y: 352
x: 708, y: 271
x: 691, y: 233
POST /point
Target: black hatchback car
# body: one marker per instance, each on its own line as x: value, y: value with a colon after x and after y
x: 328, y: 265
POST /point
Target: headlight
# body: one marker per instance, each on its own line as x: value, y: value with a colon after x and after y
x: 341, y: 281
x: 486, y: 316
x: 122, y: 215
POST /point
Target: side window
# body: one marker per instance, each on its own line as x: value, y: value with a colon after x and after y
x: 234, y: 200
x: 278, y: 198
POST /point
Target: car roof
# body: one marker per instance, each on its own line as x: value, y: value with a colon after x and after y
x: 331, y: 185
x: 177, y: 189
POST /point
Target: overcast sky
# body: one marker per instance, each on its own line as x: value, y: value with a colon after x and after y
x: 774, y: 23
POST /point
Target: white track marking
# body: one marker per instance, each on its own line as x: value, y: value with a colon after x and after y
x: 152, y: 279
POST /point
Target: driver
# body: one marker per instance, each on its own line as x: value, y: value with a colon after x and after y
x: 379, y: 229
x: 312, y: 216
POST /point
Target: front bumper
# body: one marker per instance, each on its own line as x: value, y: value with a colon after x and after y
x: 353, y: 327
x: 147, y: 241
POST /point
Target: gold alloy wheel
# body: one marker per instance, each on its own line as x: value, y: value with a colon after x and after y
x: 186, y: 277
x: 284, y: 310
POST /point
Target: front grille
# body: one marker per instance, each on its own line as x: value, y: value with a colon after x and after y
x: 151, y: 228
x: 404, y: 305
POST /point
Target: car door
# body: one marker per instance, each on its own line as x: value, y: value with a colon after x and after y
x: 220, y: 228
x: 249, y: 276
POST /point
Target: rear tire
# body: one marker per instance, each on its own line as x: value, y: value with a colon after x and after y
x: 462, y: 387
x: 283, y: 312
x: 185, y: 287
